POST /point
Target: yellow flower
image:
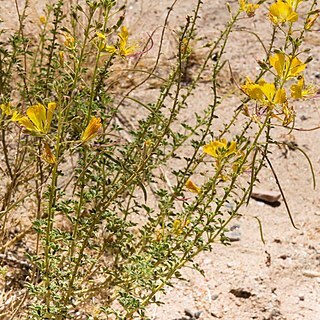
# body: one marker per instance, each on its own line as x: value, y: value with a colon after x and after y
x: 38, y: 118
x: 252, y: 89
x: 91, y: 129
x: 69, y: 41
x: 300, y: 90
x: 101, y: 35
x: 6, y: 109
x: 220, y: 149
x: 179, y: 225
x: 272, y: 95
x: 286, y: 66
x: 248, y: 8
x: 281, y: 12
x: 47, y: 155
x: 124, y: 48
x: 42, y: 19
x: 264, y: 92
x: 102, y: 43
x: 192, y: 187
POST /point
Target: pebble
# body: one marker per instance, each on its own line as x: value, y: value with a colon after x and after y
x: 266, y: 196
x: 241, y: 293
x: 233, y: 236
x: 215, y: 297
x: 191, y: 315
x: 215, y: 315
x: 311, y: 273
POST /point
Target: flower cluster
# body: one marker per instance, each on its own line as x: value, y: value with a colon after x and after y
x: 248, y: 8
x: 37, y: 121
x: 287, y: 69
x: 122, y: 48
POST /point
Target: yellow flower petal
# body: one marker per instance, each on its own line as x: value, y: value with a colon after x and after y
x: 124, y: 48
x: 42, y: 19
x: 91, y: 130
x: 37, y: 114
x: 101, y: 35
x: 248, y: 8
x: 38, y: 119
x: 16, y: 116
x: 6, y: 109
x: 264, y: 92
x: 300, y: 90
x: 220, y: 149
x: 51, y: 108
x: 296, y: 67
x: 281, y: 12
x: 253, y: 90
x: 211, y: 148
x: 110, y: 49
x: 69, y: 41
x: 286, y: 66
x: 232, y: 148
x: 25, y: 122
x: 280, y: 96
x: 278, y: 62
x: 192, y: 187
x: 268, y: 90
x: 179, y: 225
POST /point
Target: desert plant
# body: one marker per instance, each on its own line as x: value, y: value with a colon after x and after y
x: 117, y: 208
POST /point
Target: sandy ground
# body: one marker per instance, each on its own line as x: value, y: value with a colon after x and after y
x: 248, y: 280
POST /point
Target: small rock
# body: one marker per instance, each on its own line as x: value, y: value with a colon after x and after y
x: 241, y: 293
x: 215, y: 315
x: 229, y: 205
x: 303, y: 118
x: 188, y: 313
x: 233, y: 236
x: 284, y: 256
x: 192, y: 315
x: 215, y: 297
x: 301, y: 297
x: 235, y: 227
x: 311, y: 273
x: 266, y: 196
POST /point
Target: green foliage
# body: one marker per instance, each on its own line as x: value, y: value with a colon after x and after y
x: 108, y: 221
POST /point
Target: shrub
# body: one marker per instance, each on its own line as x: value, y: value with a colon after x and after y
x: 118, y: 207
